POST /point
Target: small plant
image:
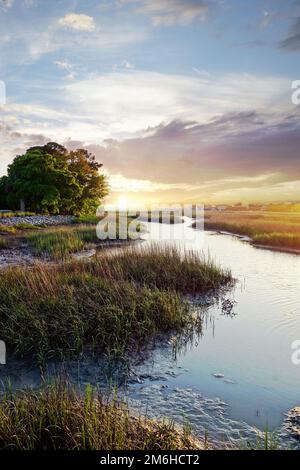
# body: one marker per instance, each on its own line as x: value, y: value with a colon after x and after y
x: 266, y: 441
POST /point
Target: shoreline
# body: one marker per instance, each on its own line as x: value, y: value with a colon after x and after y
x: 249, y: 240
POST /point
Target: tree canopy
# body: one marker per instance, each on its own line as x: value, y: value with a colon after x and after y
x: 51, y: 179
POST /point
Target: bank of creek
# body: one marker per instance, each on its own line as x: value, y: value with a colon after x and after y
x: 236, y: 378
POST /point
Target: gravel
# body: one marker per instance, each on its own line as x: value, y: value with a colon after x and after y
x: 38, y: 220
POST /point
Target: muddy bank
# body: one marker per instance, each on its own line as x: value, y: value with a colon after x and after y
x: 16, y: 256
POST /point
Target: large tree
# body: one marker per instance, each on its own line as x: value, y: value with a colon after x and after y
x: 51, y: 179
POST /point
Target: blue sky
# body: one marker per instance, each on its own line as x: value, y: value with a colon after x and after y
x: 180, y: 100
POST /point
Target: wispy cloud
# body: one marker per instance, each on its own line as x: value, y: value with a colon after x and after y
x: 68, y: 67
x: 292, y: 41
x: 125, y: 102
x: 171, y: 12
x: 6, y: 4
x: 77, y: 22
x: 63, y: 64
x: 241, y: 145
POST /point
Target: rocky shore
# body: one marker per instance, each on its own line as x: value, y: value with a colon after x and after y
x: 293, y: 422
x: 16, y: 256
x: 53, y: 220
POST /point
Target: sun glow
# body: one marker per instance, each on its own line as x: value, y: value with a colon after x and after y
x: 123, y: 203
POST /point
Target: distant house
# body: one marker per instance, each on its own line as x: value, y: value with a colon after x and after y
x: 222, y: 207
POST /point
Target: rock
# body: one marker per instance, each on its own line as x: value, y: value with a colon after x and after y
x: 218, y: 375
x: 48, y: 220
x: 293, y: 422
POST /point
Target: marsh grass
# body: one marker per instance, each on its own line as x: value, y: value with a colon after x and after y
x: 166, y: 267
x: 266, y: 441
x: 269, y: 229
x: 57, y: 417
x: 27, y: 226
x: 115, y: 304
x: 60, y: 243
x: 277, y: 240
x: 57, y: 244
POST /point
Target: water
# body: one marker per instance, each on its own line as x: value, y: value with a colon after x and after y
x: 255, y: 381
x: 238, y: 377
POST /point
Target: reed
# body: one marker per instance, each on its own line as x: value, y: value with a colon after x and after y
x: 57, y: 417
x: 269, y: 229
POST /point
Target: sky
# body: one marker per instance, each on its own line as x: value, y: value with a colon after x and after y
x: 183, y: 101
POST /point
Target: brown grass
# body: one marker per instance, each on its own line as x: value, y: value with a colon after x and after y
x: 267, y: 228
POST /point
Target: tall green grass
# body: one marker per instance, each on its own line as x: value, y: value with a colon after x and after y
x: 166, y: 267
x: 56, y: 244
x: 115, y: 304
x: 60, y: 243
x: 57, y: 417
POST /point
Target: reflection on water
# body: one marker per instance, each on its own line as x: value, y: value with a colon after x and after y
x: 236, y: 375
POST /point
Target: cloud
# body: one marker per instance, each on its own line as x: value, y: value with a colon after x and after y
x: 125, y: 64
x: 119, y: 183
x: 188, y: 161
x: 14, y: 142
x: 292, y: 42
x: 231, y: 157
x: 125, y: 102
x: 169, y: 136
x: 6, y: 4
x: 171, y: 12
x: 37, y: 43
x: 77, y: 22
x: 67, y: 66
x: 63, y: 64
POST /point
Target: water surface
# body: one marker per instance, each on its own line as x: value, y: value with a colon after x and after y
x: 242, y: 362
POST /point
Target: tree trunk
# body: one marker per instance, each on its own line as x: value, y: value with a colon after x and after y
x: 22, y: 205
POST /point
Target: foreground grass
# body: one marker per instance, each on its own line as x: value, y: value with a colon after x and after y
x: 57, y: 417
x: 115, y: 304
x: 269, y: 229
